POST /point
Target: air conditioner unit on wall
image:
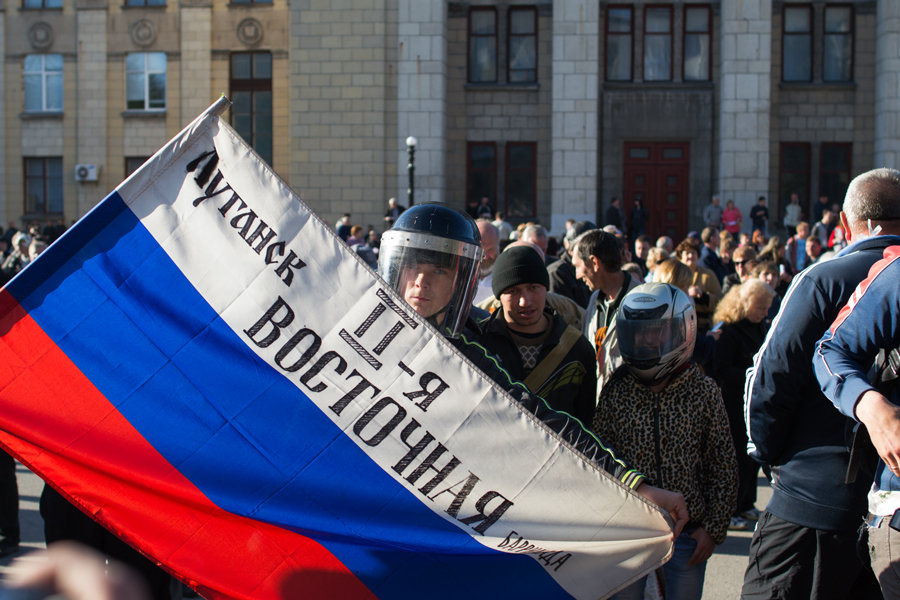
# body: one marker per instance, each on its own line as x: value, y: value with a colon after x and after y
x: 85, y: 172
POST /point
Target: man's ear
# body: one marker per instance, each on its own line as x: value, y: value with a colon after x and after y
x: 848, y: 235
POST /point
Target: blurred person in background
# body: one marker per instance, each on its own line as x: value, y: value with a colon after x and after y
x: 742, y: 312
x: 705, y: 288
x: 744, y: 259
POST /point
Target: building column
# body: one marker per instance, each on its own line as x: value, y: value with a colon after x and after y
x: 745, y: 101
x: 887, y: 85
x: 575, y: 106
x: 91, y: 106
x: 421, y: 97
x: 196, y: 58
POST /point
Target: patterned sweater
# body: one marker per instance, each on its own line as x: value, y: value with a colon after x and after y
x: 679, y: 438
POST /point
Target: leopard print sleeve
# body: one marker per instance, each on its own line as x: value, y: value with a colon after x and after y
x: 720, y: 490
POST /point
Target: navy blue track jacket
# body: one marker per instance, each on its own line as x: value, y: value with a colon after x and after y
x: 792, y: 427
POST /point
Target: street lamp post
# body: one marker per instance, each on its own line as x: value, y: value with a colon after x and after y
x: 411, y: 167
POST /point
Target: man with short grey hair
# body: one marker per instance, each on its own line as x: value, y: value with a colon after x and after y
x: 712, y: 214
x: 666, y: 243
x: 537, y: 235
x: 490, y: 244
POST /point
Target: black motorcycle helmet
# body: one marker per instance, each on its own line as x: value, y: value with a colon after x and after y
x: 445, y: 239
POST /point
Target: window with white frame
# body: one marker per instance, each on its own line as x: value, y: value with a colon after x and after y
x: 619, y: 40
x: 43, y: 82
x: 796, y: 47
x: 522, y: 49
x: 145, y: 81
x: 838, y: 44
x: 482, y: 45
x: 658, y: 43
x: 697, y: 43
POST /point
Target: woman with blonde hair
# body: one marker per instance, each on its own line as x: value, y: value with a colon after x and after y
x: 742, y: 313
x: 745, y: 301
x: 674, y: 272
x: 680, y: 275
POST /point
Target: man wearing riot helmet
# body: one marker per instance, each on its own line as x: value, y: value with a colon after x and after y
x: 430, y: 257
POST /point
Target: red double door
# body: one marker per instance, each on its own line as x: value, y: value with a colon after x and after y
x: 658, y: 174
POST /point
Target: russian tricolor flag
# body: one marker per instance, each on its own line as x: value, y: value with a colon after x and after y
x: 205, y: 369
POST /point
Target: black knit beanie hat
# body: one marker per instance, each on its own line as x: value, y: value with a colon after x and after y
x: 515, y: 265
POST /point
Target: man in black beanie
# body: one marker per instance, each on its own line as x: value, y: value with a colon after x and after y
x: 533, y: 343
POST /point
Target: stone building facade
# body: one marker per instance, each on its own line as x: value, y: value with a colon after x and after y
x: 91, y: 88
x: 549, y: 109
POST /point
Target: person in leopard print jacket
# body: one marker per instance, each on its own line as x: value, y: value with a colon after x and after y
x: 669, y: 419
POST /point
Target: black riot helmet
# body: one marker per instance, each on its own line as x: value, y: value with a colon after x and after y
x: 430, y: 257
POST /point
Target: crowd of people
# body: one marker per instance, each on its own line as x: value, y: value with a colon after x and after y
x: 680, y: 368
x: 694, y: 360
x: 20, y: 247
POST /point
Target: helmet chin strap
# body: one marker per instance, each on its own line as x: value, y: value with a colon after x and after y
x: 433, y: 319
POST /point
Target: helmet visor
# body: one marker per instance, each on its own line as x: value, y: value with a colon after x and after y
x: 434, y: 275
x: 643, y: 342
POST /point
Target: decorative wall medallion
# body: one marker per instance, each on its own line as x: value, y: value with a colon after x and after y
x: 250, y: 31
x: 142, y: 32
x: 40, y: 35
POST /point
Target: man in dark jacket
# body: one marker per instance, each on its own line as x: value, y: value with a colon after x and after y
x: 534, y: 344
x: 393, y: 212
x: 709, y: 254
x: 804, y: 545
x: 615, y: 215
x: 759, y: 216
x: 562, y: 272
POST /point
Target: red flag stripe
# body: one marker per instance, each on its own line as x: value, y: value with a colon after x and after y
x: 146, y: 496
